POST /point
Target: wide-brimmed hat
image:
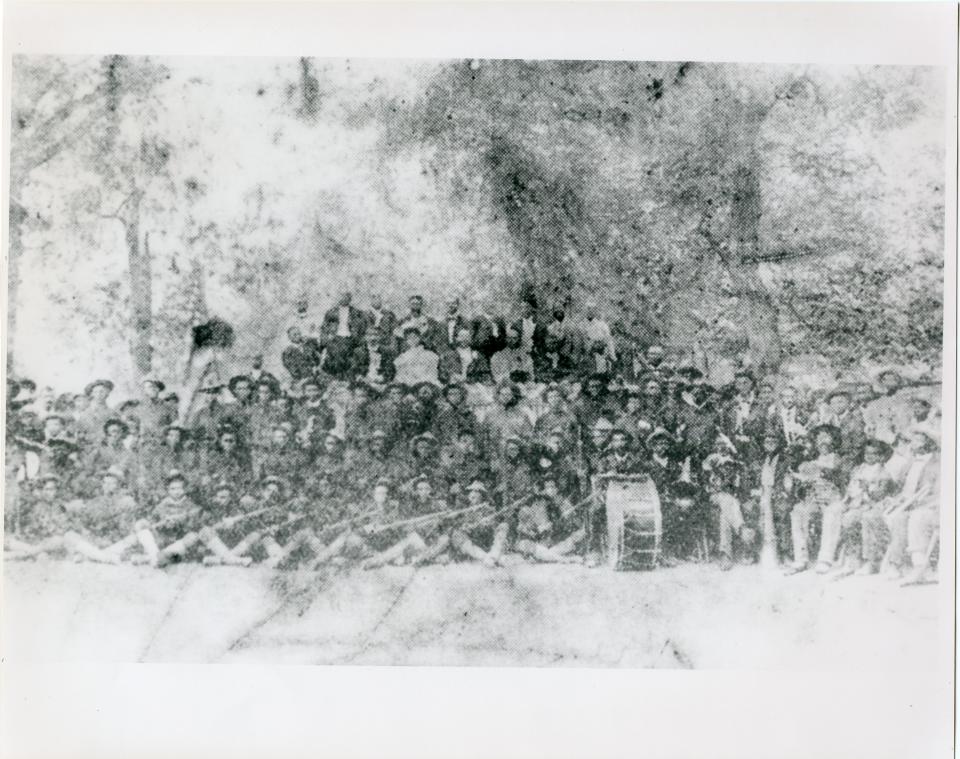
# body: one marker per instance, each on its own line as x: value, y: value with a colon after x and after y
x: 885, y: 449
x: 830, y: 429
x: 477, y: 486
x: 88, y: 390
x: 236, y: 380
x: 174, y: 475
x: 48, y: 477
x: 155, y: 382
x: 113, y: 471
x: 839, y: 390
x: 659, y: 432
x: 125, y: 428
x: 273, y: 478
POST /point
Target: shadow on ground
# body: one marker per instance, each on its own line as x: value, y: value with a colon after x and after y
x: 684, y: 617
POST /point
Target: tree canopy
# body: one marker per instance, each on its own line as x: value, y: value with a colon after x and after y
x: 772, y: 209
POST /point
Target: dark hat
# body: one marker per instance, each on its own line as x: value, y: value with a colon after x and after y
x: 841, y: 390
x: 659, y: 432
x: 174, y: 475
x: 182, y: 430
x: 155, y: 382
x: 222, y: 485
x: 420, y: 385
x: 420, y: 479
x: 311, y: 380
x: 236, y: 380
x: 424, y: 436
x: 128, y: 404
x: 28, y: 383
x: 690, y: 373
x: 54, y: 415
x: 88, y: 390
x: 830, y: 429
x: 272, y: 478
x: 396, y: 386
x: 882, y: 446
x: 170, y: 396
x: 113, y: 421
x: 63, y: 444
x: 268, y: 382
x: 113, y: 471
x: 745, y: 373
x: 454, y: 386
x: 383, y: 482
x: 45, y: 478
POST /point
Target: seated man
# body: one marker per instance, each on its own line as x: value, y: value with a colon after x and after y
x: 909, y: 521
x: 483, y: 536
x: 462, y: 363
x: 684, y: 522
x: 416, y: 364
x: 109, y: 520
x: 172, y: 531
x: 47, y: 527
x: 538, y: 522
x: 419, y: 537
x: 724, y: 494
x: 870, y: 485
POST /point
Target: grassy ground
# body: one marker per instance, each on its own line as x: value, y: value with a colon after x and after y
x: 692, y: 616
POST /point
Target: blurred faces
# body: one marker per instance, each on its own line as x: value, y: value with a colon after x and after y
x: 176, y: 489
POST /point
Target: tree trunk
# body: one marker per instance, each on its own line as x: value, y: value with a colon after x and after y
x: 309, y: 91
x: 141, y: 309
x: 760, y: 312
x: 18, y: 215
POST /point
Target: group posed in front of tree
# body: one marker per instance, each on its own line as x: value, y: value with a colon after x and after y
x: 409, y: 439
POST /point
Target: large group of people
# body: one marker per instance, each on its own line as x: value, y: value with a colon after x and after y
x: 409, y: 439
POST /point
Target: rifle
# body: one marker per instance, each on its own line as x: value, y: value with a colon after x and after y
x: 497, y: 512
x: 426, y: 518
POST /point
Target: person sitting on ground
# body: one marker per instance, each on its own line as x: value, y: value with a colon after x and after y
x: 109, y: 520
x: 165, y: 534
x: 535, y: 533
x: 415, y: 542
x: 47, y: 527
x: 483, y: 535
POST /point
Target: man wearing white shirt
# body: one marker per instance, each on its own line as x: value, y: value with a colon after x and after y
x: 598, y: 333
x: 416, y: 364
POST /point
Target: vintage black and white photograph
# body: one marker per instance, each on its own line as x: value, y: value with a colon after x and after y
x: 536, y: 363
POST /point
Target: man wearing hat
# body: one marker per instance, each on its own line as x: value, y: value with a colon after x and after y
x: 869, y: 488
x: 108, y: 519
x: 536, y: 531
x: 620, y: 457
x: 155, y: 415
x: 111, y: 453
x: 462, y: 463
x: 173, y: 522
x: 842, y: 414
x: 512, y: 472
x: 227, y: 460
x: 483, y: 536
x: 908, y: 523
x: 460, y: 362
x: 226, y: 516
x: 506, y: 419
x: 453, y: 414
x: 90, y: 420
x: 557, y: 414
x: 512, y: 358
x: 283, y: 458
x: 418, y: 542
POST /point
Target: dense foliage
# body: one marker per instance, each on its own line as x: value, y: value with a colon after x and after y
x: 780, y: 210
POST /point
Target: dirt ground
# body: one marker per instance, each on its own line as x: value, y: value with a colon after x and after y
x: 692, y: 616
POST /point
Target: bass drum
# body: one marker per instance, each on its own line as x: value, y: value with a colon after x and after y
x: 634, y: 525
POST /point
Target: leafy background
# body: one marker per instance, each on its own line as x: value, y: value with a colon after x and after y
x: 779, y: 212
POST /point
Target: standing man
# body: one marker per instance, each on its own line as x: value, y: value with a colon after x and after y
x: 343, y: 330
x: 600, y: 345
x: 417, y: 320
x: 452, y: 323
x: 381, y: 321
x: 489, y: 333
x: 155, y: 415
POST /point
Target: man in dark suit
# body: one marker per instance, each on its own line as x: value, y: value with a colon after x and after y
x: 430, y: 332
x: 373, y: 361
x: 461, y: 363
x: 343, y: 330
x: 453, y: 322
x: 533, y: 334
x: 381, y: 320
x: 489, y: 333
